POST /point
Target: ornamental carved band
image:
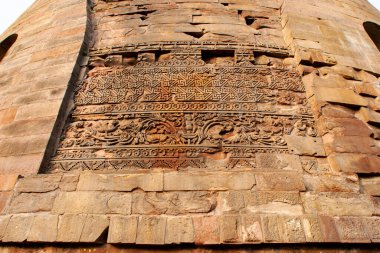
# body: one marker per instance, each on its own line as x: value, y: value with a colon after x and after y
x: 183, y: 112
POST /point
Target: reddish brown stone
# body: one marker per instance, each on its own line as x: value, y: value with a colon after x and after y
x: 280, y: 181
x: 5, y: 198
x: 329, y: 231
x: 351, y: 230
x: 354, y: 163
x: 342, y: 127
x: 206, y: 230
x: 7, y: 182
x: 372, y: 227
x: 350, y: 144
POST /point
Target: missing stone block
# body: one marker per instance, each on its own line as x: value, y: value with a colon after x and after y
x: 218, y: 56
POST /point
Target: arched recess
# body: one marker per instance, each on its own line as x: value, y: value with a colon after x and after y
x: 373, y: 30
x: 6, y: 44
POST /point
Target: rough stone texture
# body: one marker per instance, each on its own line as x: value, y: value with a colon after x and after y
x: 44, y: 228
x: 205, y: 122
x: 104, y: 182
x: 122, y: 229
x: 209, y: 181
x: 151, y: 230
x: 92, y: 203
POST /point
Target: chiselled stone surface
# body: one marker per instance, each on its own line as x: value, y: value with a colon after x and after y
x: 179, y: 230
x: 70, y: 227
x: 206, y: 230
x: 40, y: 183
x: 305, y: 145
x: 351, y: 230
x: 123, y: 229
x: 357, y: 163
x: 44, y: 228
x: 151, y: 230
x: 18, y: 228
x: 94, y: 227
x: 32, y: 202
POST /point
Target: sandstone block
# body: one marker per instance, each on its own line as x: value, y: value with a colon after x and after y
x: 351, y: 230
x: 340, y: 96
x: 273, y: 202
x: 312, y: 229
x: 123, y: 229
x: 376, y: 203
x: 328, y: 228
x: 70, y: 227
x: 204, y: 181
x: 38, y: 183
x: 44, y: 228
x: 292, y: 229
x: 349, y: 144
x: 337, y: 111
x: 354, y: 163
x: 230, y: 228
x: 270, y: 226
x: 338, y: 204
x: 342, y: 127
x: 93, y: 203
x: 305, y: 145
x: 280, y: 181
x: 18, y: 228
x: 331, y: 183
x: 368, y: 89
x: 7, y: 182
x: 230, y: 201
x: 251, y: 229
x: 277, y: 162
x: 69, y: 182
x: 372, y: 227
x: 94, y: 228
x: 4, y: 219
x: 173, y: 203
x: 5, y: 198
x: 370, y: 185
x: 151, y: 230
x: 122, y: 182
x: 179, y: 230
x: 368, y: 116
x: 32, y: 202
x: 206, y: 230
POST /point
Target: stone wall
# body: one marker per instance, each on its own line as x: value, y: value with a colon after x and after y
x: 157, y: 152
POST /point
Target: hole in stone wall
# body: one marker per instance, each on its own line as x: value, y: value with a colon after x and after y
x: 162, y: 55
x: 6, y: 44
x: 249, y: 20
x: 195, y: 34
x: 373, y: 30
x: 217, y: 56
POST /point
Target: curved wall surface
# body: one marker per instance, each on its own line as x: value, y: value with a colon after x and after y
x: 217, y: 123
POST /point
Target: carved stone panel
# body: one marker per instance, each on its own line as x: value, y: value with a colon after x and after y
x: 183, y: 113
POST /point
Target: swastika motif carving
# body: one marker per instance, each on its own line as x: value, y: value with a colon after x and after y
x: 182, y: 113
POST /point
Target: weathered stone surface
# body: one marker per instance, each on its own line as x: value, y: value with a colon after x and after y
x: 120, y: 182
x: 340, y: 96
x: 44, y: 228
x: 230, y: 201
x: 4, y: 219
x: 273, y: 202
x: 350, y: 144
x: 368, y: 89
x: 312, y: 228
x: 151, y: 230
x: 280, y: 181
x: 251, y: 229
x: 372, y: 227
x: 278, y: 162
x: 230, y: 228
x: 338, y: 204
x: 94, y: 228
x: 369, y: 116
x: 354, y: 163
x: 69, y: 182
x: 342, y: 127
x: 122, y: 229
x: 32, y: 202
x: 203, y: 181
x: 5, y: 198
x: 351, y: 230
x: 292, y: 229
x: 270, y: 227
x: 179, y: 230
x: 38, y: 183
x: 93, y: 203
x: 305, y: 145
x: 70, y: 227
x: 173, y: 203
x: 206, y: 230
x: 7, y: 182
x: 331, y: 183
x: 328, y: 228
x: 18, y: 228
x: 370, y: 185
x: 337, y: 111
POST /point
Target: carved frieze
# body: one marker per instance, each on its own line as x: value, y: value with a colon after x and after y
x: 183, y: 113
